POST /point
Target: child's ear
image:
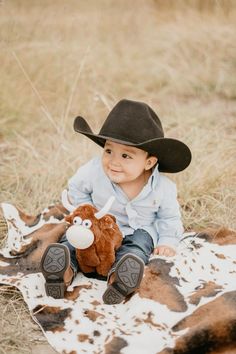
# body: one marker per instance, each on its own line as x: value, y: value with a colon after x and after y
x: 150, y: 162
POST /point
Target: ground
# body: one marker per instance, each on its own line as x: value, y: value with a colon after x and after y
x: 79, y: 58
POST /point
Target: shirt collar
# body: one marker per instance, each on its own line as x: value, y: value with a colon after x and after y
x: 152, y: 182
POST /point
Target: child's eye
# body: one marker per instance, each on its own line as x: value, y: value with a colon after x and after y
x: 125, y: 156
x: 108, y: 151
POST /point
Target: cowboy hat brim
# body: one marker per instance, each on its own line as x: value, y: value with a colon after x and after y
x: 173, y: 155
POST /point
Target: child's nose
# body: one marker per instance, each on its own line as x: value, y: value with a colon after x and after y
x: 115, y: 161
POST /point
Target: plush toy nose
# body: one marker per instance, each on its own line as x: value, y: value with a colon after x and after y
x: 79, y: 236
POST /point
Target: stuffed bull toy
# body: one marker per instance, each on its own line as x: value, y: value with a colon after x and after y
x: 94, y: 234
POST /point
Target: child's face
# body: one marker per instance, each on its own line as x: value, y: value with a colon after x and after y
x: 123, y: 163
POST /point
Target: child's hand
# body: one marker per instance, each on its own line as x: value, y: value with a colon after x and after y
x: 164, y: 251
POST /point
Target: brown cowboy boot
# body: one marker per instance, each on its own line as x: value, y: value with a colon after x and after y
x: 55, y: 266
x: 124, y: 280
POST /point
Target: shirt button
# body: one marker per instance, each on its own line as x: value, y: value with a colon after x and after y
x: 131, y: 212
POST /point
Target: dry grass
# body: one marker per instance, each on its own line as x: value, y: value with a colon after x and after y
x: 18, y: 332
x: 62, y: 59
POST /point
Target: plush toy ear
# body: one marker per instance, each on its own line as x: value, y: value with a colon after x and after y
x: 107, y: 221
x: 69, y: 218
x: 112, y: 216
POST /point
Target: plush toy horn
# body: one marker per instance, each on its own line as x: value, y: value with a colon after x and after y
x: 71, y: 208
x: 65, y: 201
x: 105, y: 209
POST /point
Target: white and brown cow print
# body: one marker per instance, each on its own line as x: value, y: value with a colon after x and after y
x: 186, y: 304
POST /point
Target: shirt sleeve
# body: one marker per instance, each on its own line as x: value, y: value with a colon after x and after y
x: 80, y: 185
x: 168, y: 223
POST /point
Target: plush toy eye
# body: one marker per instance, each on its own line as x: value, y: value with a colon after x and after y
x: 87, y: 223
x: 77, y: 220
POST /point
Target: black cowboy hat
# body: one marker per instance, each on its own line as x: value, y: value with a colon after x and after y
x: 136, y: 124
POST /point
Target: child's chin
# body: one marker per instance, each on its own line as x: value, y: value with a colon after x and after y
x: 115, y: 179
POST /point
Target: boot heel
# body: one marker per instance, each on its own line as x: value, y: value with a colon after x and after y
x: 56, y: 290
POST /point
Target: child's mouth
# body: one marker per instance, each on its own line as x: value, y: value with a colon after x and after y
x: 115, y: 171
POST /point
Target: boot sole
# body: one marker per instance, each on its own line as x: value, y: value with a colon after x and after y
x: 128, y: 276
x: 54, y: 263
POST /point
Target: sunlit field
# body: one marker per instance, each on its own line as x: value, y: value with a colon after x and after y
x: 60, y: 59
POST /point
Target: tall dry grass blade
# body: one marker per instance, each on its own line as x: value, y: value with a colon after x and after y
x: 27, y: 144
x: 105, y: 101
x: 49, y: 117
x: 43, y: 106
x: 80, y: 69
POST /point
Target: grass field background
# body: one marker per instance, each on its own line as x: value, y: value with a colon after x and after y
x: 67, y: 58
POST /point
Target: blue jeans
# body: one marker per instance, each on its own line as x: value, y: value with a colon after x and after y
x: 73, y: 261
x: 139, y: 243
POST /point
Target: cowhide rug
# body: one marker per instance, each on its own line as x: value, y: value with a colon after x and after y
x: 186, y: 304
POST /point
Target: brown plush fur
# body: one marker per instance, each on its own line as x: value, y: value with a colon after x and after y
x: 100, y: 256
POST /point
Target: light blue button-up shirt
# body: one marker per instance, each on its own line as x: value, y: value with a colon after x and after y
x: 155, y: 209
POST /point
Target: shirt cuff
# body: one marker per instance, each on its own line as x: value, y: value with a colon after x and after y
x: 168, y: 241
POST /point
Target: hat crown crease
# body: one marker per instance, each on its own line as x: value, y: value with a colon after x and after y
x: 129, y: 120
